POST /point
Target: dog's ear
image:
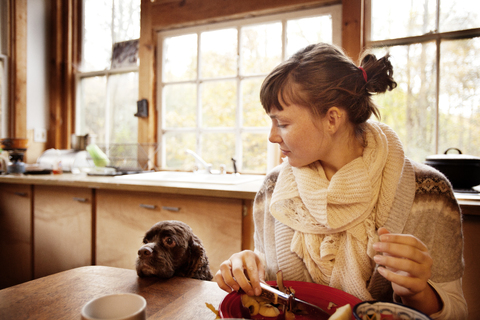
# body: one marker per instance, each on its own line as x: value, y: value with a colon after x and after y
x: 197, y: 266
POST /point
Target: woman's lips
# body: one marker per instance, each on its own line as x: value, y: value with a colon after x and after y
x: 285, y: 152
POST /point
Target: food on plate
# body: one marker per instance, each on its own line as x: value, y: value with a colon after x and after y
x: 268, y: 310
x: 342, y: 313
x: 251, y: 304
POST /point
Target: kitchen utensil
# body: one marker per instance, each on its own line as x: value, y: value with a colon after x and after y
x: 14, y: 144
x: 462, y: 170
x: 81, y: 142
x: 99, y: 157
x: 294, y: 304
x: 124, y: 306
x: 325, y: 297
x: 386, y: 310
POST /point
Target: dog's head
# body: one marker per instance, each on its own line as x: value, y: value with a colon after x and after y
x: 172, y: 249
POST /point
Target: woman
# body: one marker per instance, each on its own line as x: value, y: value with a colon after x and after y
x: 346, y: 208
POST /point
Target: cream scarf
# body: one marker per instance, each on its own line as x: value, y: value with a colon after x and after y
x: 335, y: 221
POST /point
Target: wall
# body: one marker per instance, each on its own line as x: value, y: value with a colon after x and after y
x: 37, y: 76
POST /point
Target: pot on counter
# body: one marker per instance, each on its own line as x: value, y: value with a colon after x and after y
x: 14, y: 144
x: 80, y: 143
x: 462, y: 170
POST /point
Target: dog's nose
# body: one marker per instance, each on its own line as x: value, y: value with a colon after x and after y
x: 145, y: 252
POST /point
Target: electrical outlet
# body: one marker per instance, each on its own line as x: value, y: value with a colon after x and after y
x: 40, y: 135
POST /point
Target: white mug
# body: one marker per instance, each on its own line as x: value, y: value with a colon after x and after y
x: 123, y: 306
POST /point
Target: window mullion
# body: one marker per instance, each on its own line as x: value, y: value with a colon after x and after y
x: 437, y: 94
x: 199, y: 95
x: 239, y: 108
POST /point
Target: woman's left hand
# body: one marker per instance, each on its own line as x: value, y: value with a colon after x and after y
x: 405, y: 261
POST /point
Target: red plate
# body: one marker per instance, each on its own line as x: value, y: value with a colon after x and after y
x: 317, y: 294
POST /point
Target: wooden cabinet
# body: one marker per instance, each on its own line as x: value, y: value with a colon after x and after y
x: 471, y: 277
x: 15, y: 234
x: 62, y: 228
x: 123, y: 218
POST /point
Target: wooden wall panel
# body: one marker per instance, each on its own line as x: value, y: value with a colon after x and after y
x: 172, y: 13
x: 353, y: 28
x: 17, y: 53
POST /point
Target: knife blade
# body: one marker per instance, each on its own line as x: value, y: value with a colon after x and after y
x: 295, y: 305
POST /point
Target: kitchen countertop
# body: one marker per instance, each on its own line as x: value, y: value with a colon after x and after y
x: 469, y: 201
x: 245, y: 190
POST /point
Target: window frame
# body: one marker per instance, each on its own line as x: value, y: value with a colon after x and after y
x: 432, y: 36
x: 107, y: 72
x: 273, y: 154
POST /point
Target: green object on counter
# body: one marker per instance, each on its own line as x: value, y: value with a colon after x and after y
x: 100, y: 159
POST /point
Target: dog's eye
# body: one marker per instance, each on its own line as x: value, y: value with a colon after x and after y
x: 145, y: 241
x: 169, y: 242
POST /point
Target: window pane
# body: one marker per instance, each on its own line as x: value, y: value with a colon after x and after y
x: 253, y: 113
x: 123, y: 92
x: 126, y: 23
x: 261, y: 48
x: 3, y: 97
x: 460, y: 96
x: 91, y: 115
x: 97, y: 38
x: 459, y: 14
x: 180, y: 113
x: 180, y: 58
x: 175, y: 145
x: 302, y: 32
x: 218, y: 148
x: 219, y: 103
x: 410, y: 108
x: 398, y: 19
x: 218, y: 53
x: 254, y: 152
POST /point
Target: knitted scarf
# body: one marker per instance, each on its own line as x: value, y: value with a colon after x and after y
x: 335, y: 221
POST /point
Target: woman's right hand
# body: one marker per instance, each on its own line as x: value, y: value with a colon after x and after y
x: 243, y: 270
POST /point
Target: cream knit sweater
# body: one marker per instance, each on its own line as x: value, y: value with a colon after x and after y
x: 426, y: 209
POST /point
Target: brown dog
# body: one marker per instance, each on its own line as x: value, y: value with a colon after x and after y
x: 172, y: 249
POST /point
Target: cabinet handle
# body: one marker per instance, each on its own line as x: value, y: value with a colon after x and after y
x: 176, y: 209
x: 80, y: 199
x: 148, y: 206
x: 20, y: 194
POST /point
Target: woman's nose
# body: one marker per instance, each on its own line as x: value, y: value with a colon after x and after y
x: 274, y: 137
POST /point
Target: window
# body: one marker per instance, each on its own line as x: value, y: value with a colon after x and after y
x: 107, y: 84
x: 3, y: 69
x: 435, y: 49
x: 209, y: 83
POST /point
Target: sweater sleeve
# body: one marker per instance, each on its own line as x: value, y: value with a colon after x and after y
x: 454, y: 304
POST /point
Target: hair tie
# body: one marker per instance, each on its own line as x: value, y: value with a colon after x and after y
x: 364, y: 74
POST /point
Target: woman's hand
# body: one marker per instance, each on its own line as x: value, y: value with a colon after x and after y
x: 243, y: 270
x: 405, y: 261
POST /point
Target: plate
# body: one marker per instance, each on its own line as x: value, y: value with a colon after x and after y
x: 386, y: 310
x: 317, y: 294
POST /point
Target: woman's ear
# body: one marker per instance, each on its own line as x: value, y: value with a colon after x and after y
x: 335, y: 116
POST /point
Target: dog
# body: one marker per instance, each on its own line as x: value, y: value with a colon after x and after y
x: 172, y: 249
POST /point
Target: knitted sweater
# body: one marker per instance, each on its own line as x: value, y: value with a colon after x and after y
x: 433, y: 217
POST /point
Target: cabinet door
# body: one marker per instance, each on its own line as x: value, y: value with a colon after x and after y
x: 123, y: 218
x: 63, y: 229
x: 15, y: 234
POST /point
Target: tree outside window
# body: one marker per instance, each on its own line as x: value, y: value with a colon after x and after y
x: 435, y: 50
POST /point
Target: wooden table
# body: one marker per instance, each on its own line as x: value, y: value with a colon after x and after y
x: 62, y: 295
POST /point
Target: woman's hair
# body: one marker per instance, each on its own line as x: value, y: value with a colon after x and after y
x: 321, y: 76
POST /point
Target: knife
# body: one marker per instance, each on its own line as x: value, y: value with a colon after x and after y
x: 295, y: 305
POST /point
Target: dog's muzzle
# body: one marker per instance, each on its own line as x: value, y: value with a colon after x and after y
x: 145, y: 252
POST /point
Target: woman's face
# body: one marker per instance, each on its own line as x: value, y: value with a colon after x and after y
x: 302, y: 141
